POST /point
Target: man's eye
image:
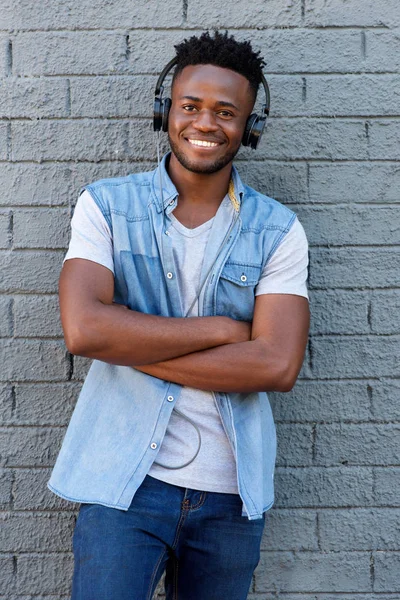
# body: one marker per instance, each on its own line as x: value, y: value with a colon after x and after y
x: 189, y: 108
x: 225, y: 113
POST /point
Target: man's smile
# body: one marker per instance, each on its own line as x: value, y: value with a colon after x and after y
x: 202, y: 143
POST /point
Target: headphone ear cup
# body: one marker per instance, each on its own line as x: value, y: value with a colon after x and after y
x: 247, y: 130
x: 253, y: 130
x: 166, y: 106
x: 157, y: 114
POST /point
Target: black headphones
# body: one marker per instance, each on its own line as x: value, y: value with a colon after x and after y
x: 254, y: 126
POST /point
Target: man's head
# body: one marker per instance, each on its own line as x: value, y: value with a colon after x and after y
x: 214, y: 88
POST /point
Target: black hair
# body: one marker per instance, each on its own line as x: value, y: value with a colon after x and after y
x: 223, y: 51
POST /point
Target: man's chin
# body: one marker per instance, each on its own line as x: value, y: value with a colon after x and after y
x: 202, y: 167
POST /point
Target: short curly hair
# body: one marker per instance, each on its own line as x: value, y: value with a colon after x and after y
x: 223, y: 51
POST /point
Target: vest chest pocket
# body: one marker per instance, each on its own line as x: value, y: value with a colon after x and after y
x: 235, y: 290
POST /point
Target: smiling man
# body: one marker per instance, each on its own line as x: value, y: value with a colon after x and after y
x: 188, y: 289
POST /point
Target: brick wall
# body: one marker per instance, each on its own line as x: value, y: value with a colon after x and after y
x: 76, y: 89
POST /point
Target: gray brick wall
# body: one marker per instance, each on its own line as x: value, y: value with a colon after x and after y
x: 76, y: 83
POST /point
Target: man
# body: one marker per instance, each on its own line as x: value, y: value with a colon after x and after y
x: 187, y: 288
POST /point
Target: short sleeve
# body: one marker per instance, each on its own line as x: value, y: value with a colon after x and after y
x: 286, y: 272
x: 90, y: 234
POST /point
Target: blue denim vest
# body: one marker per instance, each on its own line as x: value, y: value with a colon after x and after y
x: 121, y: 414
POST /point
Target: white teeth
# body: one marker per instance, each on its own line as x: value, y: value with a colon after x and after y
x: 203, y: 143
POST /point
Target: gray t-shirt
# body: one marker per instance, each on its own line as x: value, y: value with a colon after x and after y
x: 214, y: 468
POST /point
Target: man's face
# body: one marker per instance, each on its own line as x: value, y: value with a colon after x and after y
x: 210, y: 106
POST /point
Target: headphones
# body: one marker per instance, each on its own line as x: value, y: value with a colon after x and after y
x: 254, y: 126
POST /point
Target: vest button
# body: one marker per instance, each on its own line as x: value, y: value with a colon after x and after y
x: 169, y: 275
x: 153, y: 446
x: 243, y: 278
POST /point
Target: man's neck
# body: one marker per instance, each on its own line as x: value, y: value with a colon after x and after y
x: 198, y: 189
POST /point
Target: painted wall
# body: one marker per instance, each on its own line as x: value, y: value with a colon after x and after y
x: 76, y: 93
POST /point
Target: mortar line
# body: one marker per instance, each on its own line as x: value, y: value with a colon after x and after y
x: 9, y: 59
x: 363, y: 45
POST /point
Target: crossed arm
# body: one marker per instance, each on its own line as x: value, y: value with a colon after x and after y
x: 208, y: 353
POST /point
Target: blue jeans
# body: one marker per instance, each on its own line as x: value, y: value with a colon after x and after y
x: 208, y: 550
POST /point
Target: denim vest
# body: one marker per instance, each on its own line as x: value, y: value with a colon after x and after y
x: 121, y: 415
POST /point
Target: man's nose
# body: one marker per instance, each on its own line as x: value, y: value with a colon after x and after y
x: 205, y: 121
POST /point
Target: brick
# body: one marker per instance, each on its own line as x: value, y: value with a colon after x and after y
x: 81, y: 367
x: 385, y: 311
x: 68, y: 53
x: 354, y: 95
x: 49, y: 573
x: 290, y: 530
x: 29, y: 446
x: 364, y: 444
x: 361, y: 356
x: 384, y: 140
x: 30, y: 271
x: 5, y: 230
x: 290, y: 139
x: 30, y: 184
x: 31, y: 492
x: 352, y: 225
x: 313, y: 572
x: 286, y: 182
x: 386, y: 400
x: 89, y: 140
x: 6, y: 317
x: 382, y: 49
x: 32, y: 360
x: 6, y: 403
x: 68, y: 140
x: 239, y: 15
x: 112, y: 96
x: 6, y: 569
x: 24, y: 532
x: 45, y: 403
x: 355, y: 182
x: 33, y: 98
x: 387, y: 571
x: 360, y: 529
x: 314, y: 487
x: 21, y: 14
x: 342, y: 13
x: 284, y: 50
x: 338, y: 312
x: 6, y: 482
x: 37, y: 316
x: 294, y: 445
x: 57, y: 184
x: 328, y: 596
x: 387, y: 482
x: 353, y: 268
x: 313, y: 401
x: 286, y: 96
x: 41, y: 228
x: 3, y: 141
x: 4, y: 49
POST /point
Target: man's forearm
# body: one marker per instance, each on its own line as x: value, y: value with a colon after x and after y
x: 243, y: 367
x: 115, y: 334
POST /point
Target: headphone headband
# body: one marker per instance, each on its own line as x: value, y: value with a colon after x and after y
x: 254, y: 126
